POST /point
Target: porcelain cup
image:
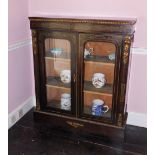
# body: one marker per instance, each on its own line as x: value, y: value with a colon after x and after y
x: 98, y: 80
x: 66, y: 101
x: 98, y: 107
x: 65, y: 76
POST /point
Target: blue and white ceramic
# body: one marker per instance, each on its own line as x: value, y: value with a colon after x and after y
x: 98, y: 107
x: 88, y: 52
x: 56, y: 51
x: 66, y: 101
x: 111, y: 56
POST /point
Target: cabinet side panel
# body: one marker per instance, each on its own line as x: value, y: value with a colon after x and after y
x: 36, y: 68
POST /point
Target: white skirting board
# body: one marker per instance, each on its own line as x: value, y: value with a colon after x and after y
x: 137, y: 119
x: 20, y: 111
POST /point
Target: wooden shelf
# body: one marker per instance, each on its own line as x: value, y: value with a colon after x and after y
x: 107, y: 89
x: 63, y: 55
x: 89, y: 96
x: 55, y: 104
x: 56, y: 82
x: 91, y: 67
x: 55, y: 92
x: 101, y: 59
x: 87, y: 110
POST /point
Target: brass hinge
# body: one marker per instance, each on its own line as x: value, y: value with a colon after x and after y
x: 74, y: 124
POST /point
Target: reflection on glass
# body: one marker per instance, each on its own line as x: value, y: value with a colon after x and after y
x: 99, y: 63
x: 58, y: 73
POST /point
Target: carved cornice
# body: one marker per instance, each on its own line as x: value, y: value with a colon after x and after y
x: 91, y: 21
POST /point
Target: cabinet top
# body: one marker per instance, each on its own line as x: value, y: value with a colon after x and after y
x: 111, y: 21
x: 109, y: 25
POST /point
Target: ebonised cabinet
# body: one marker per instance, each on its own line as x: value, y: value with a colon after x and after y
x: 81, y: 68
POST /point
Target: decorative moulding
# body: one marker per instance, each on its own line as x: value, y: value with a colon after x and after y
x: 19, y: 44
x: 22, y: 43
x: 137, y: 50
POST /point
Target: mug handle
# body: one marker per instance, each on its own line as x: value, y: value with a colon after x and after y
x: 105, y: 106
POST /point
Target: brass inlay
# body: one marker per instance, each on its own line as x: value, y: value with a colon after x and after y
x: 122, y: 95
x: 127, y: 42
x: 34, y: 41
x: 120, y: 120
x: 74, y: 124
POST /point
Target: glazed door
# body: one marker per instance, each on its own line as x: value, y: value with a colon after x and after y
x: 99, y: 78
x: 58, y: 70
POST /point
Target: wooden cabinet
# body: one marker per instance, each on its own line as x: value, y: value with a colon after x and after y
x: 81, y: 68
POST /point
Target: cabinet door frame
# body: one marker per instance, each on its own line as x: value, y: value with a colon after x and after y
x: 72, y: 38
x: 105, y: 37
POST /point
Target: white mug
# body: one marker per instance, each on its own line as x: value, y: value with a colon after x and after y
x: 66, y: 101
x: 98, y: 80
x: 65, y: 76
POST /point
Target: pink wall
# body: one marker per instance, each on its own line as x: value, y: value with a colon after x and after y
x: 137, y: 92
x: 18, y: 23
x: 20, y: 76
x: 96, y: 8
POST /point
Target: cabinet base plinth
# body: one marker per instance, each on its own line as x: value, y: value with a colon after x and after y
x: 82, y: 129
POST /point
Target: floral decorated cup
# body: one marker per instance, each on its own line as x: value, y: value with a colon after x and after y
x: 98, y: 80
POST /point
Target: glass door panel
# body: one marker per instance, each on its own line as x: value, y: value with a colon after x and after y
x: 58, y: 73
x: 99, y: 65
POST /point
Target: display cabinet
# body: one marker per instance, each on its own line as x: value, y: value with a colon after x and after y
x: 81, y: 69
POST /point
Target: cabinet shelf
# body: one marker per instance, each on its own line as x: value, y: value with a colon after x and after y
x: 55, y: 104
x: 88, y: 87
x: 53, y: 81
x: 87, y: 109
x: 101, y: 59
x: 63, y: 55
